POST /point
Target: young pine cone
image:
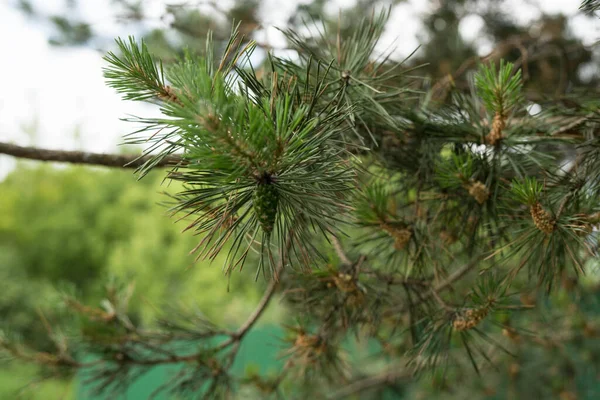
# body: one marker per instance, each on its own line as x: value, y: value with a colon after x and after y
x: 265, y: 201
x: 542, y: 218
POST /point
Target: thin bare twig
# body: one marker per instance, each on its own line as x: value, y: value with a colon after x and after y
x: 340, y: 251
x: 262, y: 305
x: 446, y: 284
x: 370, y: 383
x: 82, y: 157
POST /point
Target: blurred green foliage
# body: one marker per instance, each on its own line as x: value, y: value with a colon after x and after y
x: 71, y: 230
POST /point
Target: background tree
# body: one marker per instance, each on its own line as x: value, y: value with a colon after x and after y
x: 429, y: 219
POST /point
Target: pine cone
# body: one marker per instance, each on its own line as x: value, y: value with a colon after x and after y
x: 469, y: 318
x: 265, y: 201
x: 542, y: 218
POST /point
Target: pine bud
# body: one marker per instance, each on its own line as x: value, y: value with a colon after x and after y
x: 589, y: 330
x: 542, y: 218
x: 265, y: 201
x: 566, y: 395
x: 448, y: 237
x: 498, y: 125
x: 478, y: 191
x: 355, y: 299
x: 168, y: 94
x: 308, y: 348
x: 469, y: 318
x: 346, y: 283
x: 401, y: 236
x: 528, y: 299
x: 512, y: 334
x: 513, y: 370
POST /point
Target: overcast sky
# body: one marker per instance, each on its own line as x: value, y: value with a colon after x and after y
x: 56, y: 97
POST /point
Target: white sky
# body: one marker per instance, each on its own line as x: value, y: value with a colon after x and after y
x: 59, y: 93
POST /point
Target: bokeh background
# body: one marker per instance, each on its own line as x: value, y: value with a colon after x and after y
x: 68, y: 229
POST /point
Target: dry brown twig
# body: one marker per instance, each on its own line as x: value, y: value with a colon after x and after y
x: 82, y: 157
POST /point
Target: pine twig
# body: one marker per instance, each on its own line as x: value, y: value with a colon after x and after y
x: 82, y: 157
x: 371, y: 382
x: 262, y: 305
x: 446, y: 284
x: 337, y: 245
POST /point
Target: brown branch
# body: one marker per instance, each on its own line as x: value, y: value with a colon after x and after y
x: 262, y: 305
x: 234, y: 339
x: 396, y: 279
x: 337, y: 245
x: 446, y: 284
x: 82, y: 157
x: 371, y: 382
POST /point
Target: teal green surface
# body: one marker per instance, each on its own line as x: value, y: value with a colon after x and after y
x: 261, y: 348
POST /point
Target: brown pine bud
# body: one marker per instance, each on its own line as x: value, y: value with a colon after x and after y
x: 478, y: 191
x: 589, y: 331
x: 498, y: 125
x: 168, y: 94
x: 542, y: 218
x: 469, y: 318
x: 513, y: 370
x: 355, y: 299
x: 448, y: 238
x: 401, y: 236
x: 345, y: 282
x: 308, y: 348
x: 511, y: 334
x: 528, y: 299
x: 567, y: 395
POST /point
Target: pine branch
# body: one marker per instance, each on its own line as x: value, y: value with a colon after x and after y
x: 136, y: 75
x: 337, y: 245
x: 262, y: 305
x: 371, y: 382
x: 590, y: 6
x: 82, y: 157
x: 446, y: 284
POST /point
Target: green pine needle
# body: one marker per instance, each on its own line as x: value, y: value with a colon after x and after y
x: 499, y: 88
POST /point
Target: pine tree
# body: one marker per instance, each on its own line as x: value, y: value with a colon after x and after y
x: 381, y: 213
